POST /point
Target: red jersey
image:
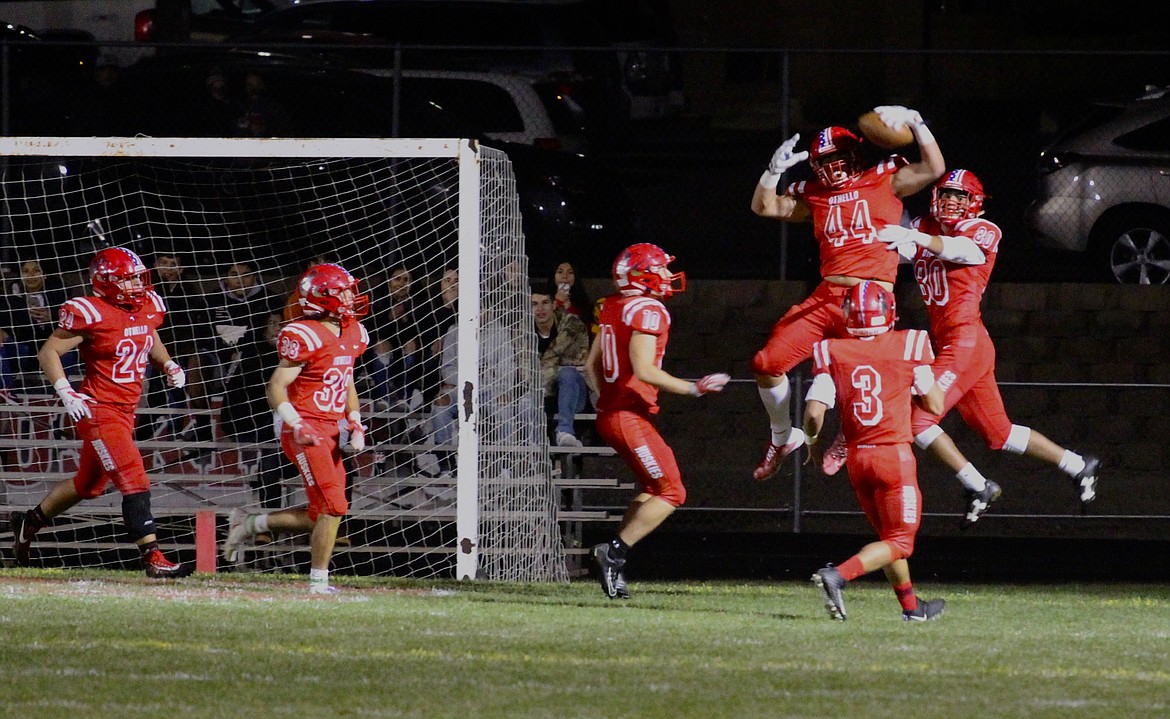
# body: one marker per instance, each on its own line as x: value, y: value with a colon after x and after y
x: 873, y: 377
x: 619, y: 316
x: 320, y: 390
x: 952, y: 292
x: 116, y: 347
x: 846, y: 220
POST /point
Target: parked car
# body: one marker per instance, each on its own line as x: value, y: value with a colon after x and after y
x: 569, y: 204
x: 1104, y: 190
x: 43, y: 76
x: 206, y: 20
x: 557, y: 43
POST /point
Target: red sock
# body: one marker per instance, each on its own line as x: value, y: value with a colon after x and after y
x: 851, y: 569
x: 906, y: 596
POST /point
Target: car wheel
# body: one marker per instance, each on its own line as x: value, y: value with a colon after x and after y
x: 1136, y: 248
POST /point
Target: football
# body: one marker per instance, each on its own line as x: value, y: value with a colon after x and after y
x: 880, y: 134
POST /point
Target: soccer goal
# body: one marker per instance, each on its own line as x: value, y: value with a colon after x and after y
x: 456, y: 480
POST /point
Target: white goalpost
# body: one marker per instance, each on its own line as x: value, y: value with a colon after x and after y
x: 456, y: 480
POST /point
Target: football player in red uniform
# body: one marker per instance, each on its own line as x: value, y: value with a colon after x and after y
x: 312, y: 391
x: 847, y: 205
x: 871, y: 376
x: 953, y: 251
x: 625, y: 364
x: 116, y: 330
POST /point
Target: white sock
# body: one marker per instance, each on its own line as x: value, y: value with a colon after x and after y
x: 971, y: 478
x: 1072, y: 463
x: 777, y: 401
x: 318, y: 576
x: 258, y: 523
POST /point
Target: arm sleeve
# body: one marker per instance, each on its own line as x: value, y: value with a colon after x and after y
x: 823, y: 390
x: 961, y: 250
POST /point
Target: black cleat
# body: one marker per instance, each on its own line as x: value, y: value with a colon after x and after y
x: 925, y: 611
x: 1086, y: 481
x: 611, y: 573
x: 20, y: 544
x: 159, y: 567
x: 830, y: 582
x: 978, y: 502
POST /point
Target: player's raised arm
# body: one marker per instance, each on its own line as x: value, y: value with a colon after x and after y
x: 931, y: 165
x: 766, y: 202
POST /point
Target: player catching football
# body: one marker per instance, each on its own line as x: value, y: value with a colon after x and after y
x: 312, y: 390
x: 847, y: 205
x: 953, y: 251
x: 625, y: 364
x: 871, y: 376
x: 116, y: 330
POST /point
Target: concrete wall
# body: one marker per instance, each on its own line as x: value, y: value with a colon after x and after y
x: 1064, y: 336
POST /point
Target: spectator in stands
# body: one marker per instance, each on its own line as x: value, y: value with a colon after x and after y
x: 188, y: 330
x: 562, y: 342
x: 220, y: 112
x: 396, y: 337
x: 444, y: 405
x: 439, y: 317
x: 239, y: 318
x: 570, y: 293
x: 33, y: 301
x: 262, y: 116
x: 249, y: 419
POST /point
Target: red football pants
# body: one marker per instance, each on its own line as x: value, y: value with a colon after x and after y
x: 108, y: 454
x: 964, y: 368
x: 320, y: 468
x: 637, y: 442
x: 793, y: 336
x: 885, y: 480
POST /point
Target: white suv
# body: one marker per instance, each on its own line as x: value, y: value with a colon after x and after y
x: 1104, y: 189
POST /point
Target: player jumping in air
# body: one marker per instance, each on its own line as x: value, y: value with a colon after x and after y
x: 847, y: 205
x: 953, y: 251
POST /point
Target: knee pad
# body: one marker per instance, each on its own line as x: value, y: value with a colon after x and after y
x: 136, y: 515
x: 1017, y: 439
x: 926, y: 437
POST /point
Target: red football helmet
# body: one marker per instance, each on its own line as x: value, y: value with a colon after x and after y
x: 642, y: 268
x: 120, y: 278
x: 835, y: 156
x: 869, y: 309
x: 330, y: 290
x: 957, y: 195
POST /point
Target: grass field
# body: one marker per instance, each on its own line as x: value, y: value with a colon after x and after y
x: 110, y: 644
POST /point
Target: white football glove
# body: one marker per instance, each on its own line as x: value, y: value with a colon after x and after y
x: 176, y: 377
x: 710, y: 383
x: 784, y: 158
x: 896, y: 117
x: 357, y: 432
x: 896, y: 236
x: 74, y: 401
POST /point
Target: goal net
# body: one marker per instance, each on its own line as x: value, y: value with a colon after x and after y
x: 456, y: 479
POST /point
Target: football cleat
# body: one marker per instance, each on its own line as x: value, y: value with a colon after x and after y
x: 20, y: 544
x: 233, y: 546
x: 159, y: 567
x: 774, y: 455
x: 1086, y: 481
x: 835, y: 456
x: 925, y: 611
x: 978, y: 502
x: 830, y: 582
x: 328, y: 589
x: 611, y: 573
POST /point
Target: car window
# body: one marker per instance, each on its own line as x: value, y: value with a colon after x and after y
x: 1094, y: 117
x: 490, y: 106
x: 1154, y: 137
